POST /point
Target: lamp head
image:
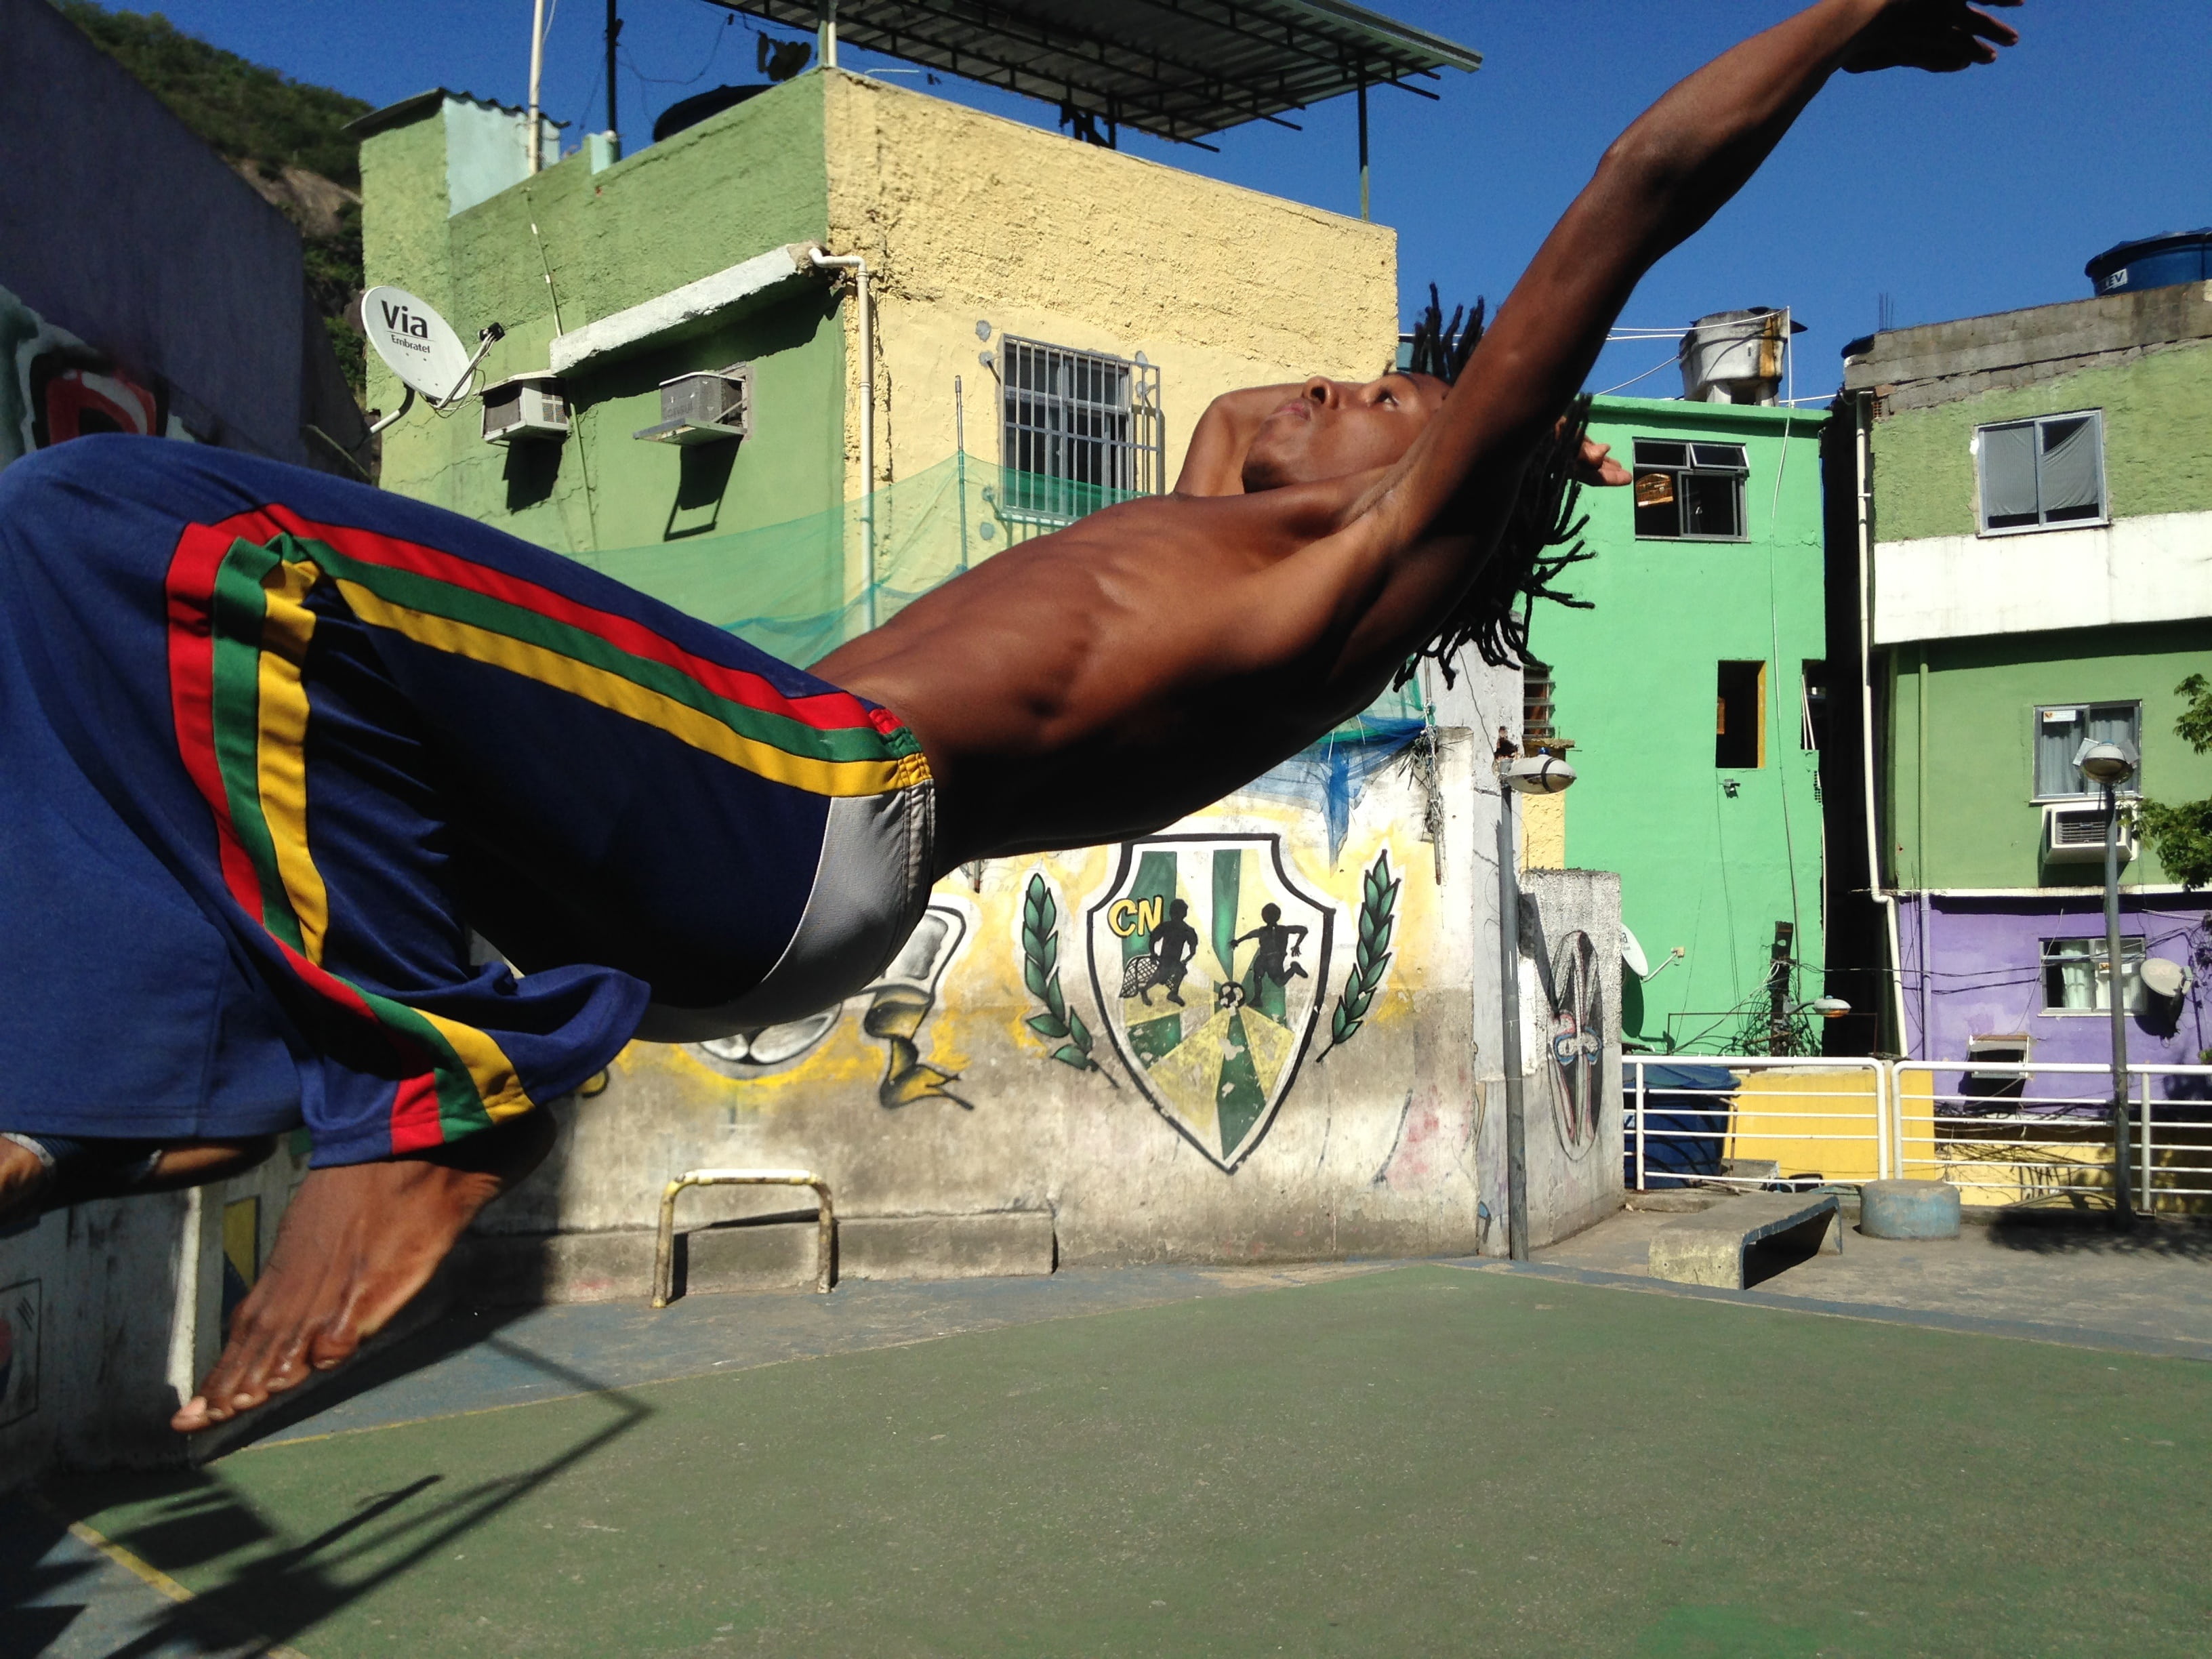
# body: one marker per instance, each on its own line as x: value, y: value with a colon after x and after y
x: 1829, y: 1007
x: 1537, y: 775
x: 2107, y: 764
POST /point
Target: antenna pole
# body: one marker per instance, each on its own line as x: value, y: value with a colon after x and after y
x: 614, y: 33
x: 825, y: 12
x: 536, y: 72
x: 1363, y: 213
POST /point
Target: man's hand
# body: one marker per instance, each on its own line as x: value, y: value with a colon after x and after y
x: 1941, y: 36
x: 1597, y: 466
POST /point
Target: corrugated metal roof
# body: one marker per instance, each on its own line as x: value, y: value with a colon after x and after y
x: 1176, y: 68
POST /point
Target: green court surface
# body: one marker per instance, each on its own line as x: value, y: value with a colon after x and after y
x: 1427, y: 1460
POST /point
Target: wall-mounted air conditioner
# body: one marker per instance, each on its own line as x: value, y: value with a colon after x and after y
x: 712, y: 406
x: 2073, y: 833
x: 523, y: 407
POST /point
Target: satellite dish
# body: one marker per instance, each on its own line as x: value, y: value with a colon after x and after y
x: 417, y: 344
x: 1631, y: 953
x: 2165, y: 979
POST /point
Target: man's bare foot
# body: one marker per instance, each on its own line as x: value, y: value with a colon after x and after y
x: 23, y: 1177
x: 29, y: 1187
x: 355, y: 1246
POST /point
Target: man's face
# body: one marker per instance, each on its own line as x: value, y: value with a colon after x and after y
x: 1331, y: 428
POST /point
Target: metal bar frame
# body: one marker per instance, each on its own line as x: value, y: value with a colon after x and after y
x: 664, y: 1249
x: 1729, y: 1115
x: 2085, y: 1112
x: 1363, y: 42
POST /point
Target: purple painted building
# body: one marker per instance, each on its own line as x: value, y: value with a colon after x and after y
x: 2022, y: 977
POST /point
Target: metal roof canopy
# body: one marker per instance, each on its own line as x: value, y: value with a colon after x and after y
x: 1178, y: 69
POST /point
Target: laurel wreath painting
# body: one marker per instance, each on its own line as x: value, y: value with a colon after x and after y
x: 1378, y: 911
x: 1059, y: 1023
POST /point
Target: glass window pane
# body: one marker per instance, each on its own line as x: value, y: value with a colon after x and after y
x: 1730, y: 455
x: 2057, y: 735
x: 2116, y: 722
x: 2071, y: 486
x: 1709, y: 504
x: 2009, y: 475
x: 1651, y: 452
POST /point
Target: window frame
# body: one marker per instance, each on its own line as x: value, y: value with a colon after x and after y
x: 1758, y: 694
x: 1045, y: 402
x: 2131, y: 789
x: 1691, y: 467
x: 2133, y: 952
x: 2043, y: 525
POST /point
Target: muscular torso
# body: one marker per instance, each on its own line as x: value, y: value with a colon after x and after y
x: 1108, y: 678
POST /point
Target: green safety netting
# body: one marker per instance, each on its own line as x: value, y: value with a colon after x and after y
x: 800, y: 588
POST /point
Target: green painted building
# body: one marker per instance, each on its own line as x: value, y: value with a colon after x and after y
x: 1693, y: 698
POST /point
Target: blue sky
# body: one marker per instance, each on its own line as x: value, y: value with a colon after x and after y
x: 1952, y: 195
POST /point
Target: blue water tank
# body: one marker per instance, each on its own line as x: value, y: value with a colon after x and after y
x: 2181, y: 256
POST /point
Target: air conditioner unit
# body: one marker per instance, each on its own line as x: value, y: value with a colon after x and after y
x: 523, y: 407
x: 2073, y: 833
x: 712, y: 406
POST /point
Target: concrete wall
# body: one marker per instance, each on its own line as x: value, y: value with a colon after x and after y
x: 131, y: 253
x: 998, y: 1071
x: 109, y: 1311
x: 971, y: 218
x: 1708, y: 859
x: 1570, y: 983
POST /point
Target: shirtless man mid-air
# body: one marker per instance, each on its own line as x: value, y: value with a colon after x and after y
x: 271, y: 745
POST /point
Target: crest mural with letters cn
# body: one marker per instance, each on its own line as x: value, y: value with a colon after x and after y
x: 1208, y: 963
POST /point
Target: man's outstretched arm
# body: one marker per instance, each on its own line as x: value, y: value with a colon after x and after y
x: 1430, y: 516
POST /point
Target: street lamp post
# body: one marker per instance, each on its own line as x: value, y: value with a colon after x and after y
x: 1532, y: 774
x: 2109, y: 765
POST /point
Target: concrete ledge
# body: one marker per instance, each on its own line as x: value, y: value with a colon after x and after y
x: 523, y: 1270
x: 1709, y: 1248
x: 679, y: 308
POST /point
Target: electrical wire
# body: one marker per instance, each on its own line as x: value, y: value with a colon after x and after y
x: 1665, y: 363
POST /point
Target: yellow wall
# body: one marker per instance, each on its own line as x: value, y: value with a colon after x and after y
x: 1543, y: 832
x: 1811, y: 1120
x: 969, y: 216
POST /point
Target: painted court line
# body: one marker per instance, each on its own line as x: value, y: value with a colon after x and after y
x: 145, y: 1572
x: 2017, y: 1330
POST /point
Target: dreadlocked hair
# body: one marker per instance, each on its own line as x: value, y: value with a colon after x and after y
x: 1494, y: 613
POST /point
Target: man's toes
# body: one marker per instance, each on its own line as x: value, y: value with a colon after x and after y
x: 333, y: 1345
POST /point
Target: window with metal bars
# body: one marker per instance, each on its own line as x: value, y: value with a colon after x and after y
x: 1080, y: 430
x: 1539, y: 725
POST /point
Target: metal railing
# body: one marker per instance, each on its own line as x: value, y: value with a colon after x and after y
x: 2003, y: 1132
x: 2016, y: 1132
x: 1775, y: 1118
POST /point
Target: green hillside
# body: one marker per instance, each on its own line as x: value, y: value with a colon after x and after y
x: 287, y: 134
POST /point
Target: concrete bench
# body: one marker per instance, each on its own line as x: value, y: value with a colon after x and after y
x: 1709, y: 1248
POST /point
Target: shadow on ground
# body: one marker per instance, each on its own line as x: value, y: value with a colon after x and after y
x: 185, y: 1519
x: 2096, y: 1232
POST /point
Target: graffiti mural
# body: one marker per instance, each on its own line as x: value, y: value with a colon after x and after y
x: 1577, y: 1041
x: 1370, y: 957
x: 53, y: 387
x: 1208, y: 962
x: 892, y: 1011
x: 1059, y: 1023
x: 19, y: 1349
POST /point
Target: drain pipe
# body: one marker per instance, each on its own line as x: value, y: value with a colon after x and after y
x: 1863, y: 454
x: 859, y: 267
x: 536, y: 74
